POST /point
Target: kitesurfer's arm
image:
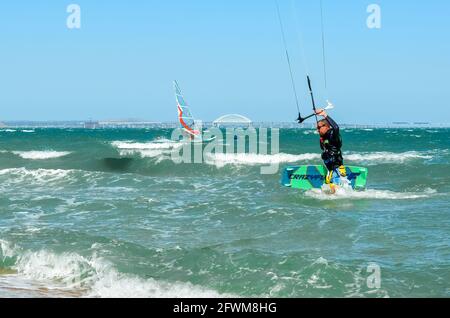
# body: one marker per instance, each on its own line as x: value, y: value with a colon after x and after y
x: 333, y: 124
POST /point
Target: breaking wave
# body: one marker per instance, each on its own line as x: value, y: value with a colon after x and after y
x: 43, y: 177
x: 386, y: 157
x: 38, y: 174
x: 41, y: 155
x: 92, y: 276
x: 154, y: 145
x: 159, y: 148
x: 221, y: 160
x: 344, y: 194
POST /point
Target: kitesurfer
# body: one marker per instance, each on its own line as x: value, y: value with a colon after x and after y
x: 331, y: 144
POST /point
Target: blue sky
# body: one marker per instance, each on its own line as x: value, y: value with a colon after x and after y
x: 227, y: 56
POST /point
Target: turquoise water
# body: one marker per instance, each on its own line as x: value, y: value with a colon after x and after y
x: 106, y: 213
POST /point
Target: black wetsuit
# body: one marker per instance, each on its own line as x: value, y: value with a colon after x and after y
x: 331, y: 145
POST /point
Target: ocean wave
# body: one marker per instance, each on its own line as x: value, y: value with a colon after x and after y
x: 311, y: 132
x: 38, y: 173
x: 162, y: 144
x: 94, y: 276
x: 386, y: 157
x: 6, y: 249
x: 26, y: 177
x: 141, y: 153
x: 159, y: 148
x: 344, y: 194
x: 41, y: 155
x: 39, y: 176
x: 221, y: 160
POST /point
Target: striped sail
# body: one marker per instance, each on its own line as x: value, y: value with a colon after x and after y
x: 185, y: 118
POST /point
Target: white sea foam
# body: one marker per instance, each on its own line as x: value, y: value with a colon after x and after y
x: 41, y: 155
x: 14, y: 286
x: 95, y: 277
x: 18, y: 175
x: 141, y: 153
x: 160, y: 148
x: 221, y: 160
x: 28, y: 131
x: 9, y: 130
x: 112, y: 284
x: 6, y: 249
x: 343, y: 194
x: 154, y: 145
x: 385, y: 157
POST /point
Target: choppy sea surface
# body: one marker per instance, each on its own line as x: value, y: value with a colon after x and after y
x: 107, y: 213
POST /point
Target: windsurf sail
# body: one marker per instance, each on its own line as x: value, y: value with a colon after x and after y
x: 185, y: 117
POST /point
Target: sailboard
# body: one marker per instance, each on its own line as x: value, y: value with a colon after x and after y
x: 313, y: 177
x: 185, y: 118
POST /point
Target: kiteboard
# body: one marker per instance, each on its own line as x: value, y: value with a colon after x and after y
x: 313, y: 177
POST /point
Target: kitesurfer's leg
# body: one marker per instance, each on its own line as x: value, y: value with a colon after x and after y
x: 336, y: 177
x: 342, y: 171
x: 329, y: 177
x: 340, y: 177
x: 330, y: 185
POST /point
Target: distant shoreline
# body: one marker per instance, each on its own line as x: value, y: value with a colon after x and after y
x: 171, y: 125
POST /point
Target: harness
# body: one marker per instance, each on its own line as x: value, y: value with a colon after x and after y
x: 332, y: 154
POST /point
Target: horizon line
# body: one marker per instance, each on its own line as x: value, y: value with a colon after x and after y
x: 174, y: 124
